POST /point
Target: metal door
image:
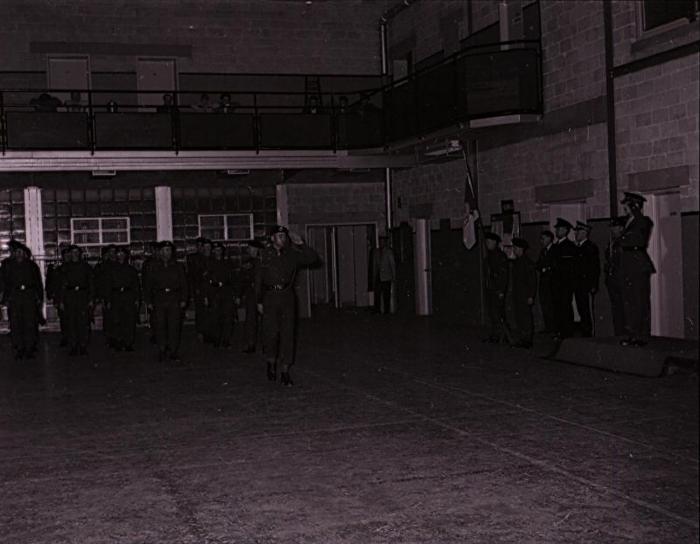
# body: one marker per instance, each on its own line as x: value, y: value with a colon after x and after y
x: 155, y: 75
x: 72, y: 72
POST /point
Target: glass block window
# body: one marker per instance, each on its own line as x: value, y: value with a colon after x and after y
x: 100, y: 231
x: 63, y: 205
x: 11, y: 218
x: 235, y: 227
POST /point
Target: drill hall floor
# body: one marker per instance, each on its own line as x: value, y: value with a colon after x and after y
x: 397, y: 430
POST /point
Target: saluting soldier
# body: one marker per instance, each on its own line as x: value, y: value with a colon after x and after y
x: 197, y: 264
x: 587, y: 276
x: 545, y: 265
x: 274, y: 285
x: 524, y: 277
x: 166, y: 294
x: 102, y: 271
x: 219, y: 294
x: 496, y: 286
x: 636, y: 268
x: 76, y: 294
x: 122, y: 295
x: 247, y: 296
x: 23, y: 292
x: 564, y: 253
x: 613, y: 274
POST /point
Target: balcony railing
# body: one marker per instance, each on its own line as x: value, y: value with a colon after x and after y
x: 482, y: 81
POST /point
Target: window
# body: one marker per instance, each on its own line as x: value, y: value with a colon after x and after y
x: 100, y: 231
x: 660, y: 12
x: 226, y: 227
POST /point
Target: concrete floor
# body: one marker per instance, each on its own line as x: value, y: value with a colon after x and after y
x: 396, y: 431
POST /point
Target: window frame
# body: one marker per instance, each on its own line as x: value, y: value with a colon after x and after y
x: 669, y: 25
x: 225, y: 216
x: 100, y: 230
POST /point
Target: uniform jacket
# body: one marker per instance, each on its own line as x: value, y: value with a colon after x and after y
x: 21, y: 279
x: 524, y: 279
x: 634, y: 242
x: 279, y: 270
x: 197, y: 269
x: 613, y: 258
x: 165, y: 280
x: 564, y: 259
x: 121, y: 279
x: 587, y: 266
x: 545, y: 262
x: 220, y: 277
x: 496, y: 271
x: 76, y: 278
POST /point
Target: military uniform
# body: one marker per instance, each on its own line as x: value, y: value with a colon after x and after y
x: 23, y: 292
x: 564, y: 253
x: 53, y: 286
x: 545, y: 266
x: 166, y: 292
x: 146, y: 268
x: 219, y: 291
x: 524, y: 291
x: 586, y: 278
x: 121, y: 296
x: 274, y: 285
x: 76, y: 295
x: 636, y: 269
x: 613, y: 280
x: 496, y: 286
x: 248, y: 297
x: 102, y: 271
x: 197, y: 266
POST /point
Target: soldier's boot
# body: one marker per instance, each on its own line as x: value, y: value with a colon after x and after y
x: 286, y: 379
x: 271, y: 370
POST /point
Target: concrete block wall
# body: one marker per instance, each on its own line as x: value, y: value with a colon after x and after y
x: 254, y: 36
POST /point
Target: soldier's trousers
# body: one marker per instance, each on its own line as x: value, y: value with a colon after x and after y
x: 382, y: 297
x: 201, y: 316
x: 251, y: 318
x: 221, y: 310
x: 496, y: 311
x: 636, y: 295
x: 563, y: 311
x: 123, y: 319
x: 617, y: 305
x: 547, y: 304
x: 168, y: 316
x: 583, y: 305
x: 108, y: 323
x: 279, y: 317
x: 523, y: 320
x: 77, y: 317
x: 24, y: 322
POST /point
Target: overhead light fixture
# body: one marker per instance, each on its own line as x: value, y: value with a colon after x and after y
x: 237, y: 172
x: 441, y: 149
x: 104, y: 173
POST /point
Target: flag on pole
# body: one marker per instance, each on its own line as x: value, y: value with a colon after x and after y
x: 471, y: 213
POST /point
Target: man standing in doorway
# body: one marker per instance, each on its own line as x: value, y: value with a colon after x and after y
x: 274, y: 286
x: 384, y: 275
x: 636, y: 268
x: 613, y: 275
x: 587, y: 276
x: 564, y: 253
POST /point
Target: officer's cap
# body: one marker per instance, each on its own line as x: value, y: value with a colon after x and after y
x: 75, y: 247
x: 547, y: 233
x: 278, y: 229
x: 122, y: 249
x: 580, y: 225
x: 14, y: 244
x: 633, y: 198
x: 521, y: 243
x: 618, y: 221
x: 217, y: 245
x: 166, y: 243
x: 563, y: 223
x: 493, y: 236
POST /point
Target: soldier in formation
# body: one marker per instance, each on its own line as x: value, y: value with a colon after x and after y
x: 586, y: 277
x: 496, y: 285
x: 121, y: 297
x: 219, y: 291
x: 613, y: 275
x: 545, y: 265
x: 524, y: 291
x: 564, y: 253
x: 75, y: 296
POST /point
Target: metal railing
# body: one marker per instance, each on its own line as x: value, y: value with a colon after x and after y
x: 482, y: 81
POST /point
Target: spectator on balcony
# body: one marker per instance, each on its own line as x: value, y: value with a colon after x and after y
x: 74, y: 104
x: 226, y: 105
x: 45, y: 103
x: 204, y: 105
x: 112, y: 107
x: 343, y: 105
x: 168, y: 105
x: 313, y: 105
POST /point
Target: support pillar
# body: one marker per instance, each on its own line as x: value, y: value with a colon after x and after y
x: 34, y: 224
x: 164, y: 213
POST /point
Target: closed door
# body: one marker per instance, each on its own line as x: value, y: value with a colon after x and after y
x: 69, y: 73
x: 155, y: 75
x: 665, y: 250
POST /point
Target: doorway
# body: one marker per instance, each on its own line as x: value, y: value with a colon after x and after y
x: 666, y: 251
x: 68, y: 72
x: 344, y: 278
x: 155, y: 74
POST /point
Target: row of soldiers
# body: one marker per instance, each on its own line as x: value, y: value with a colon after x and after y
x: 569, y: 271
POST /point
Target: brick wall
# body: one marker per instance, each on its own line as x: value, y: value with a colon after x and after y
x: 225, y: 36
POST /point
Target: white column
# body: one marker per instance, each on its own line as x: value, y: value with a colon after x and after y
x: 282, y: 205
x: 164, y: 213
x: 33, y: 223
x: 424, y: 296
